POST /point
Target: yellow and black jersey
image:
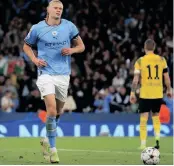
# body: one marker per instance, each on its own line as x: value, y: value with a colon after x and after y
x: 151, y: 68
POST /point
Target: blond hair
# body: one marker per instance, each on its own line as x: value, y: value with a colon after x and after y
x: 52, y: 1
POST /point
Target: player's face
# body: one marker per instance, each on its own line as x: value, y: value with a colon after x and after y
x: 55, y: 10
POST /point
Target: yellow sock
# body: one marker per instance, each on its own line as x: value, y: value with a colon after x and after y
x: 143, y: 130
x: 156, y: 125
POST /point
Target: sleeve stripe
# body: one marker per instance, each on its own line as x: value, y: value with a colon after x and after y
x: 31, y: 45
x: 165, y: 70
x: 75, y: 37
x: 136, y: 71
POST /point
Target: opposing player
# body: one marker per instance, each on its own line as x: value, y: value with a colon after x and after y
x: 150, y: 68
x: 56, y: 39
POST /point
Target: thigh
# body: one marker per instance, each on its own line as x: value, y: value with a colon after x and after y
x: 45, y: 85
x: 61, y: 93
x: 156, y: 105
x: 59, y: 106
x: 144, y: 105
x: 50, y: 103
x: 61, y: 87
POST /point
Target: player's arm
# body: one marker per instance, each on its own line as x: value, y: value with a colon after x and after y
x: 78, y: 45
x: 76, y: 41
x: 29, y: 42
x: 28, y: 50
x: 135, y: 81
x: 167, y: 79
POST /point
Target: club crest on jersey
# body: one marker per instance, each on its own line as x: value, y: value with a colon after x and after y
x: 54, y: 33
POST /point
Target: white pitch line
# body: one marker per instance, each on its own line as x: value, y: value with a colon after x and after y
x: 109, y: 151
x: 88, y: 150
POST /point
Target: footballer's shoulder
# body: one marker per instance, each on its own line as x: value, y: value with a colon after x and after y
x: 160, y: 57
x: 65, y: 21
x: 41, y: 23
x: 139, y: 60
x: 38, y: 26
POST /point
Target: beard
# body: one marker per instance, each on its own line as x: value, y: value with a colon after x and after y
x: 56, y: 17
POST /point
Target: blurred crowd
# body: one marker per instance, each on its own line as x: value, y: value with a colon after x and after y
x: 113, y: 32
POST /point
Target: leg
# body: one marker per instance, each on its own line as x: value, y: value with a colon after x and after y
x: 143, y: 128
x: 156, y: 121
x: 50, y: 103
x: 61, y: 94
x: 51, y: 127
x: 59, y: 107
x: 144, y: 113
x: 47, y: 90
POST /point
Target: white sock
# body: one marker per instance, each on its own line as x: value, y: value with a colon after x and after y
x: 157, y: 136
x: 143, y: 142
x: 53, y: 149
x: 46, y: 139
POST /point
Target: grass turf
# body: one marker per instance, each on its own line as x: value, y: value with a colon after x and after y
x: 83, y: 151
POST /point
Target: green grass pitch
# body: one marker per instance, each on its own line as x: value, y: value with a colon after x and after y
x: 83, y: 150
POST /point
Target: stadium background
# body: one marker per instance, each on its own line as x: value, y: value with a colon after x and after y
x: 114, y: 33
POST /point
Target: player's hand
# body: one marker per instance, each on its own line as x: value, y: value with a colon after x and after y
x: 133, y: 98
x: 67, y: 51
x: 169, y: 93
x: 39, y: 62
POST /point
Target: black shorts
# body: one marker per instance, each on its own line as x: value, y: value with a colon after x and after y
x: 148, y: 105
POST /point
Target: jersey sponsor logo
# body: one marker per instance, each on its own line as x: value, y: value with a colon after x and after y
x: 56, y: 44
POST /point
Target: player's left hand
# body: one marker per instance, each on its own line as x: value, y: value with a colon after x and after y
x: 169, y: 93
x: 133, y: 98
x: 67, y: 51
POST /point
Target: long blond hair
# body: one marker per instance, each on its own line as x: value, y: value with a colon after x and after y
x: 52, y: 1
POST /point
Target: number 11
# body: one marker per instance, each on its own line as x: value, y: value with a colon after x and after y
x: 149, y: 69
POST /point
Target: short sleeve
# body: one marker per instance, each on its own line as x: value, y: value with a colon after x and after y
x: 165, y: 67
x: 137, y: 66
x: 164, y: 64
x: 73, y: 31
x: 31, y: 37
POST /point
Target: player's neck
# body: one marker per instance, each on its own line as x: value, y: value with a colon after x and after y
x: 53, y: 22
x: 149, y: 52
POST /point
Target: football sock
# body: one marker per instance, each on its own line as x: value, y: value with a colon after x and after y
x: 51, y: 131
x: 156, y: 125
x: 143, y: 130
x: 57, y: 119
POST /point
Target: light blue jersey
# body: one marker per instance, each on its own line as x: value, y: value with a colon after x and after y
x: 50, y: 40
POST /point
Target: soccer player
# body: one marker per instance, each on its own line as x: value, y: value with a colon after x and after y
x: 56, y: 39
x: 150, y: 68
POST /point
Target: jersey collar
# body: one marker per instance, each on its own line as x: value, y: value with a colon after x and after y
x: 54, y: 25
